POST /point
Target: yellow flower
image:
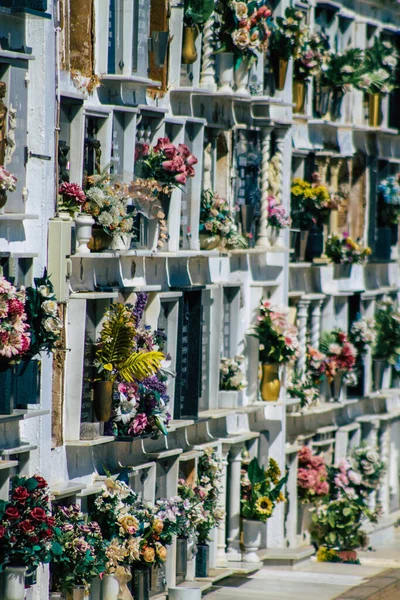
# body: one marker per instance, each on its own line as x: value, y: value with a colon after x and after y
x: 368, y: 251
x: 161, y: 551
x: 264, y: 506
x: 281, y: 498
x: 274, y: 472
x: 326, y: 555
x: 158, y: 526
x: 108, y: 367
x: 148, y: 554
x: 128, y: 524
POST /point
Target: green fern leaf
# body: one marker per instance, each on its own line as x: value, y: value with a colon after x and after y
x: 140, y: 365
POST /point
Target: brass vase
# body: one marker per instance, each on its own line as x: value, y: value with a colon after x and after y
x: 280, y: 67
x: 102, y: 400
x: 299, y: 95
x: 270, y: 384
x: 189, y: 52
x: 100, y: 240
x: 374, y: 109
x: 209, y: 242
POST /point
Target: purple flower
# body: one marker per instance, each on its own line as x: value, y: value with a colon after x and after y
x: 154, y: 384
x: 141, y: 301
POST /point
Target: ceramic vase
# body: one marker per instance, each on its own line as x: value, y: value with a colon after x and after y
x: 83, y: 229
x: 252, y: 534
x: 102, y: 400
x: 270, y: 384
x: 121, y: 242
x: 14, y: 583
x: 109, y: 588
x: 242, y: 74
x: 225, y: 72
x: 184, y: 593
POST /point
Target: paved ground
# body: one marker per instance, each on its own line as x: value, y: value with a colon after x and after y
x: 377, y: 578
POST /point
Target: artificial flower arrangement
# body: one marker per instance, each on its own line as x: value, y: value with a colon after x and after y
x: 78, y: 551
x: 343, y: 70
x: 362, y: 334
x: 278, y: 338
x: 386, y: 346
x: 14, y: 328
x: 8, y: 181
x: 231, y: 376
x: 312, y: 57
x: 71, y: 198
x: 208, y: 490
x: 379, y: 68
x: 277, y: 217
x: 312, y: 476
x: 27, y: 527
x: 316, y: 366
x: 107, y: 202
x: 261, y: 489
x: 177, y: 514
x: 147, y: 195
x: 311, y: 203
x: 130, y: 528
x: 218, y: 219
x: 343, y: 250
x: 366, y: 461
x: 340, y: 356
x: 303, y: 387
x: 244, y: 29
x: 389, y: 206
x: 288, y: 34
x: 169, y: 165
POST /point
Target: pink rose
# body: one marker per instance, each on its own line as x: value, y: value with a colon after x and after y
x: 181, y: 178
x: 305, y: 455
x: 170, y: 151
x: 183, y: 150
x: 191, y: 160
x: 322, y: 488
x: 161, y: 144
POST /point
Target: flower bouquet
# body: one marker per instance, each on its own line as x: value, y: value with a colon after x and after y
x: 365, y: 460
x: 303, y: 387
x: 78, y: 551
x: 169, y: 165
x: 362, y: 334
x: 14, y: 328
x: 339, y: 362
x: 343, y: 250
x: 277, y: 219
x: 177, y: 515
x: 26, y: 525
x: 288, y: 34
x: 71, y: 198
x: 261, y: 489
x: 380, y: 65
x: 312, y: 475
x: 312, y: 57
x: 217, y: 224
x: 386, y: 350
x: 311, y: 203
x: 231, y: 376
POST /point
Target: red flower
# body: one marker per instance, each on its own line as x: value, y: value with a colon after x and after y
x: 46, y: 533
x: 2, y: 531
x: 342, y: 337
x: 38, y: 514
x: 16, y: 307
x: 42, y: 483
x: 50, y: 521
x: 263, y: 12
x: 12, y: 513
x: 26, y: 526
x: 34, y: 539
x: 20, y: 494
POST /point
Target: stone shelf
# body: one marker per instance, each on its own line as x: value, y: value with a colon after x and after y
x: 63, y: 490
x: 18, y: 217
x: 106, y: 439
x: 19, y: 414
x: 8, y: 464
x: 93, y: 295
x: 17, y: 449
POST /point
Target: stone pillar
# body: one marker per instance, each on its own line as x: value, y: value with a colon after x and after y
x: 278, y: 160
x: 384, y: 451
x: 235, y: 463
x: 315, y: 323
x: 322, y: 163
x: 262, y: 241
x: 207, y: 75
x: 302, y: 317
x: 221, y: 533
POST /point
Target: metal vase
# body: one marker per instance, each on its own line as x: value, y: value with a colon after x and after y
x: 323, y: 100
x: 299, y: 95
x: 337, y: 101
x: 202, y: 560
x: 189, y: 52
x: 247, y: 217
x: 337, y: 388
x: 181, y: 559
x: 280, y: 67
x: 379, y: 369
x: 315, y: 243
x: 374, y: 109
x: 8, y: 390
x: 140, y: 583
x: 270, y: 384
x: 78, y: 593
x: 102, y: 400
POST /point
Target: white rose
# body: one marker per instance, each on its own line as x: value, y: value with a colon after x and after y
x: 51, y: 324
x: 50, y: 307
x: 44, y: 291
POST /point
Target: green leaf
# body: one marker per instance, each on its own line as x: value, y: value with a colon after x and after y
x: 255, y: 472
x: 31, y: 484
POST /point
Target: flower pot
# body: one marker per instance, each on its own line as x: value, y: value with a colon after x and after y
x: 272, y: 235
x: 121, y: 242
x: 102, y: 400
x: 3, y: 199
x: 315, y: 244
x: 323, y: 101
x: 337, y: 388
x: 225, y: 72
x: 341, y: 271
x: 109, y: 588
x: 336, y: 104
x: 241, y: 75
x: 374, y: 109
x: 181, y: 559
x: 100, y: 240
x: 252, y: 534
x: 383, y: 244
x: 299, y: 95
x: 347, y: 555
x: 78, y: 593
x: 270, y: 384
x: 189, y: 52
x: 83, y: 232
x: 202, y: 560
x: 209, y: 242
x: 14, y: 583
x: 230, y: 398
x: 280, y: 67
x: 140, y: 582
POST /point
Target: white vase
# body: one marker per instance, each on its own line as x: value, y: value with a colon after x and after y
x: 242, y: 74
x: 252, y: 535
x: 230, y: 398
x: 83, y: 232
x: 14, y: 583
x: 272, y: 235
x: 225, y: 72
x: 121, y: 242
x: 109, y: 588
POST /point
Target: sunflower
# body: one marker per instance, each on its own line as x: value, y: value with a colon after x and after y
x: 264, y: 506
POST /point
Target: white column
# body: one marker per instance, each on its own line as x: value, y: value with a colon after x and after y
x: 291, y: 494
x: 235, y: 463
x: 302, y: 317
x: 383, y: 491
x: 221, y: 534
x: 315, y: 323
x: 207, y: 75
x: 262, y: 241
